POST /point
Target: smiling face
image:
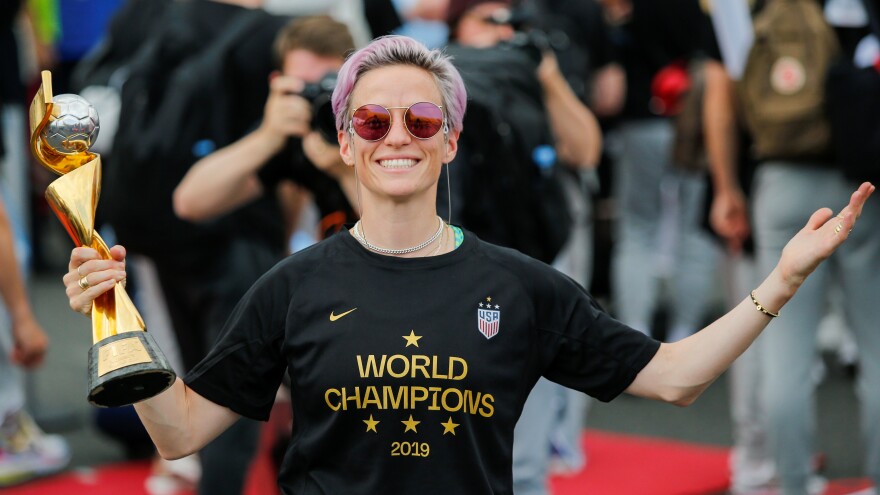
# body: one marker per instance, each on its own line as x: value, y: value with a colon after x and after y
x: 398, y: 167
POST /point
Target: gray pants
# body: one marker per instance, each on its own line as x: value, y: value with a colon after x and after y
x: 751, y: 462
x: 13, y: 193
x: 785, y: 196
x: 11, y: 377
x: 659, y: 223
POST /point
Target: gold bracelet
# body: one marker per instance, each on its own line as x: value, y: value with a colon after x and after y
x: 760, y: 307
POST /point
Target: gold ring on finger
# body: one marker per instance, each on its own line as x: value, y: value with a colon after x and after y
x: 84, y: 283
x: 837, y: 228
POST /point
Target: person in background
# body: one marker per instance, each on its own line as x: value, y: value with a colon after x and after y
x: 659, y: 232
x: 553, y: 416
x: 25, y: 44
x: 209, y: 268
x: 751, y: 460
x: 25, y: 451
x: 787, y: 181
x: 588, y: 60
x: 288, y: 143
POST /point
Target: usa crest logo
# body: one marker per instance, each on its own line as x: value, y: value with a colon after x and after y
x: 489, y: 318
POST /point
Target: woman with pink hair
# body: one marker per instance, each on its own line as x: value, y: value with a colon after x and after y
x: 412, y: 345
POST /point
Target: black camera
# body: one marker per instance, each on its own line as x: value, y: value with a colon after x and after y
x: 528, y: 37
x: 318, y: 95
x: 533, y: 43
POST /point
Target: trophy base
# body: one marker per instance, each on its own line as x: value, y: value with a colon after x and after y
x: 127, y: 368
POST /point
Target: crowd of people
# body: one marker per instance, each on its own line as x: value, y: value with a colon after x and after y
x: 513, y: 120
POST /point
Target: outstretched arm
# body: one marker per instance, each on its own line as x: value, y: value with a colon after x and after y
x: 681, y: 371
x: 179, y: 420
x: 29, y: 340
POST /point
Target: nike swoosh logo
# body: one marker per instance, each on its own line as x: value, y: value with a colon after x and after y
x: 334, y: 317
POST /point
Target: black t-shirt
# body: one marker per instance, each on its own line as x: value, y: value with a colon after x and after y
x: 291, y: 164
x: 580, y: 37
x: 657, y: 34
x: 409, y: 374
x: 11, y: 88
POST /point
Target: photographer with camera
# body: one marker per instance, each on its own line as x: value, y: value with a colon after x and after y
x: 518, y: 184
x: 293, y: 140
x: 246, y: 233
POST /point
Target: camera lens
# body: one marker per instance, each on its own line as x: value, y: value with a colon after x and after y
x: 319, y: 94
x: 323, y: 120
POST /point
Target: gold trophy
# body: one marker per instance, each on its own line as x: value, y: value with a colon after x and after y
x: 125, y: 364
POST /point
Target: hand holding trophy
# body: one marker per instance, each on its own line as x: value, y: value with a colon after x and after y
x: 125, y: 364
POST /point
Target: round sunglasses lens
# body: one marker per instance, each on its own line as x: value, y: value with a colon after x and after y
x: 424, y: 120
x: 371, y: 122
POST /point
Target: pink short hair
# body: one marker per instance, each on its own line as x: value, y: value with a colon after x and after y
x: 400, y: 50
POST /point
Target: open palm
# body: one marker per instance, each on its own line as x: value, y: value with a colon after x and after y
x: 822, y: 235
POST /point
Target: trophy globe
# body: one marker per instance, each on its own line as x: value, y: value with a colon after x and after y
x: 74, y: 125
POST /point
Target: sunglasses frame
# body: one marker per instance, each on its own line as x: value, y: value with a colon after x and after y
x: 444, y: 127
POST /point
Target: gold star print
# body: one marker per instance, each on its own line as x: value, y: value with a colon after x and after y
x: 410, y: 424
x: 371, y: 424
x: 449, y: 426
x: 488, y: 299
x: 412, y: 339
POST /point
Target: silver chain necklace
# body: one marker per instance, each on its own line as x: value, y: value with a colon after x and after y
x: 359, y: 235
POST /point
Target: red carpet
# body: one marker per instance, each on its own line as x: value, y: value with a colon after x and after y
x: 618, y: 465
x: 624, y: 464
x: 631, y: 465
x: 122, y: 478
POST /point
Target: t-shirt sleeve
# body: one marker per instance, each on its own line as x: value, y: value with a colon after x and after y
x: 583, y: 347
x: 244, y: 368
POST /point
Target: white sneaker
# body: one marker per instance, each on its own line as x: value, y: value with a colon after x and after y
x: 26, y: 452
x: 816, y: 486
x: 751, y: 473
x: 866, y: 491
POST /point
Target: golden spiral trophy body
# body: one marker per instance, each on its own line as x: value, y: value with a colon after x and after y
x: 125, y: 364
